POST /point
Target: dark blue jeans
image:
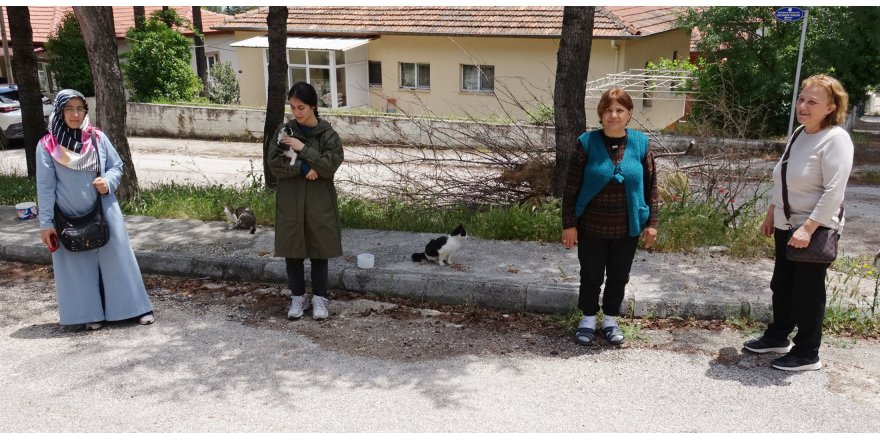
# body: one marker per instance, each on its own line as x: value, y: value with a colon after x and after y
x: 610, y: 259
x: 798, y: 300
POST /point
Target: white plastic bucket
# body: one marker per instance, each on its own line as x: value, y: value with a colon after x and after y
x: 26, y: 210
x: 366, y: 261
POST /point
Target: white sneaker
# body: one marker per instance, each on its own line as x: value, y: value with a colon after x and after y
x: 297, y: 305
x: 146, y: 319
x: 320, y: 310
x: 93, y: 326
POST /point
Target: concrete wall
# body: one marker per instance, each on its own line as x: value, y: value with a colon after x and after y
x: 175, y: 121
x: 251, y: 71
x: 160, y: 120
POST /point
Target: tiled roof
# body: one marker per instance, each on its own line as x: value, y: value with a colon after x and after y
x: 45, y: 19
x: 538, y: 21
x: 123, y: 18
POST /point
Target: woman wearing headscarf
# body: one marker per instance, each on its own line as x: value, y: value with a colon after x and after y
x: 97, y: 285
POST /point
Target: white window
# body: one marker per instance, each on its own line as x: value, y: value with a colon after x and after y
x: 212, y: 58
x: 317, y: 67
x: 415, y: 76
x: 477, y: 78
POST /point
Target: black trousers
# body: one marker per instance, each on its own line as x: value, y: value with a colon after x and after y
x: 798, y: 300
x: 296, y: 276
x: 610, y: 259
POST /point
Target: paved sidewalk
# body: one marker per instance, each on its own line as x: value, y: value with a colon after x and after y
x: 533, y: 276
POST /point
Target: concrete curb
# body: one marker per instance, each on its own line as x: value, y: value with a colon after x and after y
x: 441, y: 288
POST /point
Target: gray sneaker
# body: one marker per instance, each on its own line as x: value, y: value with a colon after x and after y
x: 298, y: 304
x: 320, y: 307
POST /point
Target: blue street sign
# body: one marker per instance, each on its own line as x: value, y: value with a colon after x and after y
x: 789, y: 14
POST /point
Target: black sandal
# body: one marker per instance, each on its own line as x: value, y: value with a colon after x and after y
x: 588, y: 335
x: 612, y: 333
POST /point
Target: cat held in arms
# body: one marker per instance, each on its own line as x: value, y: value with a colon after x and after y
x: 241, y: 218
x: 441, y: 248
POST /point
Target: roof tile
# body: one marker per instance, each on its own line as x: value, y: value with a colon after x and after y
x: 537, y: 21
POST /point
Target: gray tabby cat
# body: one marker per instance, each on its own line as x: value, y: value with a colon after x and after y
x: 241, y: 218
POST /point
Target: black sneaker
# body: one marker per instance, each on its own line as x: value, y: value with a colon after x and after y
x: 790, y: 362
x: 760, y: 345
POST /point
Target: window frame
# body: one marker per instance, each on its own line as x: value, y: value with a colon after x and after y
x: 480, y: 78
x: 370, y: 65
x: 417, y: 85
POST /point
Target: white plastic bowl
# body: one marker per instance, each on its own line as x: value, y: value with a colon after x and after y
x: 366, y: 261
x: 26, y: 210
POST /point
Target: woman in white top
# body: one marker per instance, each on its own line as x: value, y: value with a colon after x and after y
x: 818, y: 168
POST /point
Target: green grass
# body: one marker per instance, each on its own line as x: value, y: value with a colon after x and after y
x: 16, y: 189
x: 685, y: 226
x: 854, y: 298
x: 867, y: 177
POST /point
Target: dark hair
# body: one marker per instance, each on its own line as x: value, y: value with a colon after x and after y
x: 305, y: 93
x: 611, y: 96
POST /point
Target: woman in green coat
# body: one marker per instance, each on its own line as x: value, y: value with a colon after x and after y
x: 304, y: 154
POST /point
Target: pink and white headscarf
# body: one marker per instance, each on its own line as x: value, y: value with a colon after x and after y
x: 71, y: 147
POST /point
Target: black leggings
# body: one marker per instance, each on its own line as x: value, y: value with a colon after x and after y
x: 296, y: 276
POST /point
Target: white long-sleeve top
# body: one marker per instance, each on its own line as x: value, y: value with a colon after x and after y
x: 818, y: 169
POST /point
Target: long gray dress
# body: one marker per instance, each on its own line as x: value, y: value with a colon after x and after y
x: 76, y: 273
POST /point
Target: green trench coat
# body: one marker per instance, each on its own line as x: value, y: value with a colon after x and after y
x: 307, y: 223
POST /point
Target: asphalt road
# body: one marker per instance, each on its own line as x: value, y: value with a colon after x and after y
x: 203, y: 368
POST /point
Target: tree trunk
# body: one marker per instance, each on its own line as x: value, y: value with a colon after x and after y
x: 276, y: 89
x: 201, y: 63
x: 24, y: 67
x: 572, y: 65
x: 166, y: 18
x: 140, y: 17
x: 96, y: 23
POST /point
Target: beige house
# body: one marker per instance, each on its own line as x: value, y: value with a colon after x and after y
x: 455, y: 61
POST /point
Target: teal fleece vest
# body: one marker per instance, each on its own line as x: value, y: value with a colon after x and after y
x: 599, y: 171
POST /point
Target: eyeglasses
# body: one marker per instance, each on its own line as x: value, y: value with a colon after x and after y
x: 75, y: 110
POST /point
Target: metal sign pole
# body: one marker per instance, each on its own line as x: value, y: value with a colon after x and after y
x: 797, y: 73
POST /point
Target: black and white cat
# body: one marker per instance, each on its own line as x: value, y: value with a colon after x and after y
x: 290, y: 130
x: 241, y: 218
x: 441, y: 248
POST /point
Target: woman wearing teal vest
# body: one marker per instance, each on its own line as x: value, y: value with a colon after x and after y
x: 610, y: 199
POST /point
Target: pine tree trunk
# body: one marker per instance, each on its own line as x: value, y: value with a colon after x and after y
x: 572, y: 65
x: 24, y: 67
x: 276, y: 89
x: 96, y: 23
x: 201, y: 63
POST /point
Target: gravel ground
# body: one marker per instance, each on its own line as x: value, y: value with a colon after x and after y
x: 222, y: 358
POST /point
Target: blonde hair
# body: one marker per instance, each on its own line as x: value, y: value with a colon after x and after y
x: 837, y: 94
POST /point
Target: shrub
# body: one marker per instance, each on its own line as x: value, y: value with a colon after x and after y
x: 68, y: 59
x: 159, y: 62
x: 223, y: 84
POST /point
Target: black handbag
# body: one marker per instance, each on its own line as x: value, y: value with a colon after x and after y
x: 86, y: 232
x: 823, y: 243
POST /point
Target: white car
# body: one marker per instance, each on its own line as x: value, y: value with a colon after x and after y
x: 10, y: 113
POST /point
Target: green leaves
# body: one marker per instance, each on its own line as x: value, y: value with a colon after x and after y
x: 751, y: 60
x: 68, y: 59
x: 159, y: 63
